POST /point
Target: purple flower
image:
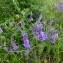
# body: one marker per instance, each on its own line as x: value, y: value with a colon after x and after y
x: 52, y: 40
x: 55, y: 35
x: 23, y: 33
x: 27, y: 52
x: 38, y: 27
x: 25, y: 39
x: 39, y: 19
x: 51, y: 23
x: 31, y: 18
x: 42, y: 36
x: 51, y: 31
x: 15, y: 47
x: 61, y: 4
x: 26, y: 42
x: 38, y: 32
x: 1, y: 30
x: 7, y: 49
x: 16, y: 25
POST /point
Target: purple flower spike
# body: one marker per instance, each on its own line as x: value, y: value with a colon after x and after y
x: 27, y: 52
x: 1, y: 30
x: 15, y: 47
x: 16, y: 25
x: 26, y: 42
x: 25, y: 39
x: 52, y: 40
x: 38, y: 27
x: 42, y: 36
x: 61, y: 4
x: 51, y: 23
x: 55, y: 35
x: 23, y: 33
x: 39, y: 19
x: 31, y: 18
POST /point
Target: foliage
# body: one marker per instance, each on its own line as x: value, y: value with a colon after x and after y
x: 19, y: 10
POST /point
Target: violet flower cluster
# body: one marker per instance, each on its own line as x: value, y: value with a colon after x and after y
x: 15, y: 47
x: 25, y: 39
x: 26, y: 43
x: 54, y: 36
x: 39, y: 34
x: 7, y: 49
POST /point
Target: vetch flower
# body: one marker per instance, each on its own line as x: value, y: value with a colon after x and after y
x: 61, y: 5
x: 16, y: 25
x: 38, y: 27
x: 25, y: 39
x: 39, y: 19
x: 23, y: 33
x: 7, y: 49
x: 51, y: 31
x: 27, y: 52
x: 31, y: 18
x: 55, y: 35
x: 15, y: 47
x: 42, y: 36
x: 1, y: 30
x: 26, y: 42
x: 39, y: 34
